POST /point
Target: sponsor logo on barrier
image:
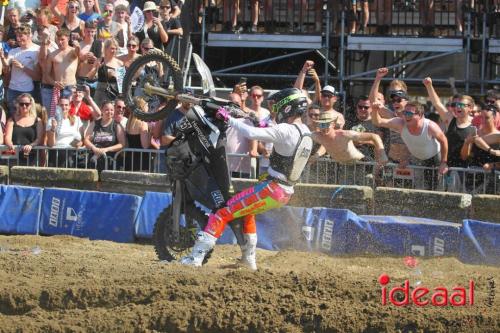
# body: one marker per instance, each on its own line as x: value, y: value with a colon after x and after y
x: 490, y: 300
x: 54, y: 212
x: 308, y: 233
x: 326, y: 239
x: 438, y: 246
x: 422, y: 296
x: 71, y: 215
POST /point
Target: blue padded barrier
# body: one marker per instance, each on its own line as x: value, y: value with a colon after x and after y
x: 19, y: 209
x: 480, y: 243
x: 96, y: 215
x: 153, y: 203
x: 332, y: 230
x: 401, y: 235
x: 340, y: 231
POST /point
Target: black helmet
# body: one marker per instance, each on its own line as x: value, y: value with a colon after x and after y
x: 287, y: 103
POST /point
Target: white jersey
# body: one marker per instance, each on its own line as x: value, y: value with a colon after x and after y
x: 283, y: 136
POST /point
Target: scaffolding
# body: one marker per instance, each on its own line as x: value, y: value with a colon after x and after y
x: 472, y: 57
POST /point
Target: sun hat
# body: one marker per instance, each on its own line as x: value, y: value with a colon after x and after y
x: 325, y: 117
x: 150, y: 5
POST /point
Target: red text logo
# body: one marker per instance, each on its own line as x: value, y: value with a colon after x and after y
x: 422, y: 296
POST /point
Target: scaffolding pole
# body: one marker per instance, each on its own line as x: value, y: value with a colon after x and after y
x: 467, y: 53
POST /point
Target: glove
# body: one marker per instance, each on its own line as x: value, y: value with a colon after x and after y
x: 256, y: 122
x: 222, y: 114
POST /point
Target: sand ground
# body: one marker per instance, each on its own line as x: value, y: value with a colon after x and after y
x: 77, y: 285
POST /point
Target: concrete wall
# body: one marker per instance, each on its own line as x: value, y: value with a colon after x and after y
x: 453, y: 207
x: 80, y: 179
x: 486, y: 207
x: 133, y: 182
x: 362, y: 200
x: 4, y: 174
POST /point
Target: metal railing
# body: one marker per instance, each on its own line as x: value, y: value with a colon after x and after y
x: 324, y: 171
x: 474, y: 180
x: 399, y: 17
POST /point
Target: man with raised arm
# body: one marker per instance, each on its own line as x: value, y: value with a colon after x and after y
x: 424, y: 138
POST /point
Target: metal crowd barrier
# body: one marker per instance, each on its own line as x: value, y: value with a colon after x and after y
x: 127, y: 159
x: 474, y: 180
x: 324, y: 171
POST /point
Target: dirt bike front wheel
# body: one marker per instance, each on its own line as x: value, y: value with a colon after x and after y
x: 150, y: 85
x: 167, y: 247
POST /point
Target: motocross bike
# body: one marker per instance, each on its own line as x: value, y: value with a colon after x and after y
x: 196, y: 159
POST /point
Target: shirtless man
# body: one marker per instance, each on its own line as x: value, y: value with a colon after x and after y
x: 90, y: 53
x: 61, y: 68
x: 340, y: 143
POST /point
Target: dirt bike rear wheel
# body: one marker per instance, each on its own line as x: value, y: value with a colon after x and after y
x: 169, y: 249
x: 145, y: 70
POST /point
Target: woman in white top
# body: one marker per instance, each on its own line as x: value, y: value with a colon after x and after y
x: 64, y: 133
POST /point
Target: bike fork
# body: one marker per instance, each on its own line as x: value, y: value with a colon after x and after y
x: 178, y: 199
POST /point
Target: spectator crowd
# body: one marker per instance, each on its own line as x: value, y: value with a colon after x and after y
x: 462, y: 132
x: 62, y: 64
x: 61, y: 70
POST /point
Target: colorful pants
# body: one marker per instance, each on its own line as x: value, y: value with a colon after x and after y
x: 257, y: 199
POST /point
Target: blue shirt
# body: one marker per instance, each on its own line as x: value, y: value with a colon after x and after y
x: 92, y: 17
x: 172, y: 122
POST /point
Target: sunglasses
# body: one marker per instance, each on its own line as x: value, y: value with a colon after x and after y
x: 256, y: 96
x: 131, y: 45
x: 408, y: 114
x: 165, y: 7
x: 364, y: 107
x: 24, y: 104
x: 73, y: 7
x: 327, y: 95
x: 396, y: 99
x: 458, y: 105
x: 323, y: 125
x: 489, y: 101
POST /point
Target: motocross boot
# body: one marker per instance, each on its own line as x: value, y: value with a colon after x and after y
x: 204, y: 243
x: 248, y: 252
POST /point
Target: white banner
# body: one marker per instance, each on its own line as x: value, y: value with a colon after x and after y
x: 120, y: 75
x: 136, y: 20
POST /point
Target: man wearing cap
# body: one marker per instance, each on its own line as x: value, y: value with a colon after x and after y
x: 328, y: 97
x: 340, y: 143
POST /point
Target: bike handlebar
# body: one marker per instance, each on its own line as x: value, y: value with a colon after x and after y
x: 215, y: 105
